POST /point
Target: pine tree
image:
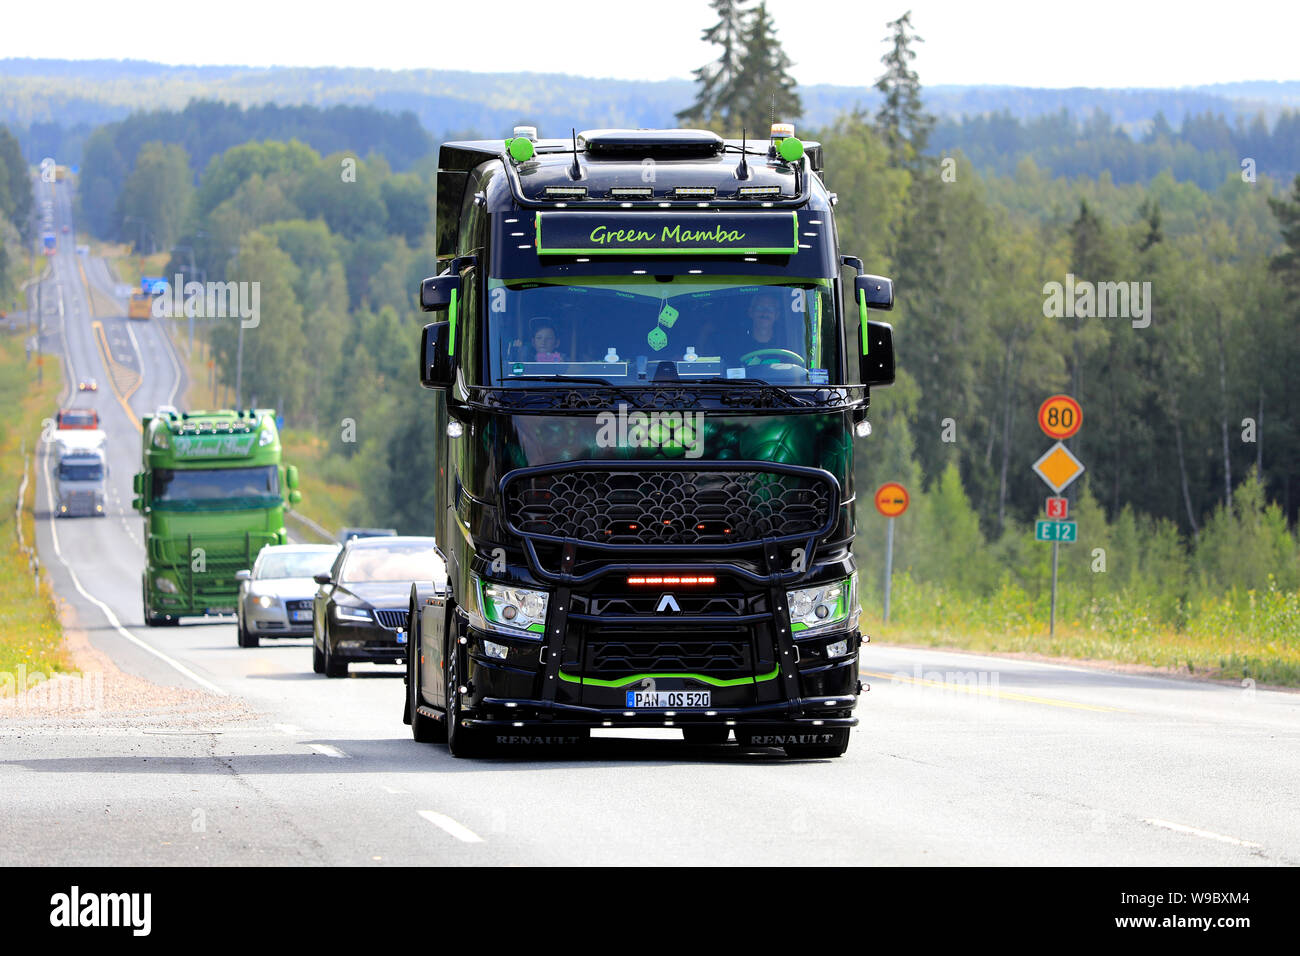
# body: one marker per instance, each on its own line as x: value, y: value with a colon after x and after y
x: 715, y: 98
x: 902, y: 119
x: 1286, y: 264
x: 766, y: 91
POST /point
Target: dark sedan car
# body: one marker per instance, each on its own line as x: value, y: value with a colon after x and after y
x: 359, y: 613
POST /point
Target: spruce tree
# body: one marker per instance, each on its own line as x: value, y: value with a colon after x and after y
x: 767, y: 92
x: 902, y: 120
x: 715, y: 98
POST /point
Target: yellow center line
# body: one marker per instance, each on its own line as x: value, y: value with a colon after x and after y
x: 1000, y: 694
x: 90, y: 296
x: 113, y: 366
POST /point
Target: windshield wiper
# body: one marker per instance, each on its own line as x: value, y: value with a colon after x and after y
x: 577, y: 379
x: 719, y: 380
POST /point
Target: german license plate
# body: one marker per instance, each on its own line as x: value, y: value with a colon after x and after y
x: 668, y: 698
x: 401, y: 637
x: 302, y: 615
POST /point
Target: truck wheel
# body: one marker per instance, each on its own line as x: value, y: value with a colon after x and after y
x: 706, y: 734
x: 424, y: 729
x: 461, y: 741
x: 333, y: 668
x: 838, y: 744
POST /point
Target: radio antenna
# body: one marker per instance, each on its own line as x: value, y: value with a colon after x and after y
x: 743, y: 171
x: 575, y: 171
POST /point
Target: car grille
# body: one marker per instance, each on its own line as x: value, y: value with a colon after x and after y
x: 682, y: 506
x: 391, y: 619
x: 298, y: 605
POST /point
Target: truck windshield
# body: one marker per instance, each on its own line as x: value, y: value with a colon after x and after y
x: 649, y: 328
x: 79, y: 472
x: 209, y: 489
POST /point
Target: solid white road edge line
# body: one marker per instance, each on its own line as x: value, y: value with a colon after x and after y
x: 108, y: 611
x: 448, y: 825
x: 1207, y: 834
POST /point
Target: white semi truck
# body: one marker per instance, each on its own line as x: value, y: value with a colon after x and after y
x: 80, y: 467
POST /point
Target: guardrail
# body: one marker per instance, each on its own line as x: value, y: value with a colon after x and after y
x: 312, y: 526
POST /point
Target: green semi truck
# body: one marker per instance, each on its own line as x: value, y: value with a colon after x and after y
x: 213, y: 493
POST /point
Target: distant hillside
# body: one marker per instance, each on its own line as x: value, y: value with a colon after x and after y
x: 56, y: 102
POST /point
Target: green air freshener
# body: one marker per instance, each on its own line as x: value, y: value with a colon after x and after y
x: 657, y: 338
x: 667, y: 317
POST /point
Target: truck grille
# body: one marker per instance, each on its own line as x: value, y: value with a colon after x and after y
x: 391, y: 619
x: 627, y: 505
x: 716, y: 656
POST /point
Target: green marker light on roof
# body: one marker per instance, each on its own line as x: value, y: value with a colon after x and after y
x: 790, y: 149
x: 520, y: 148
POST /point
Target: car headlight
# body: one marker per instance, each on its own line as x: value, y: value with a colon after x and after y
x: 265, y: 600
x: 165, y: 584
x: 511, y: 608
x: 823, y: 605
x: 343, y: 612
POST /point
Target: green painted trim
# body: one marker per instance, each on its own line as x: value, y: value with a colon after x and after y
x: 798, y: 626
x: 539, y: 628
x: 451, y: 338
x: 710, y: 250
x: 714, y: 681
x: 862, y: 317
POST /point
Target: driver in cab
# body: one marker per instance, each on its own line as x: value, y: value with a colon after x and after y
x: 765, y: 334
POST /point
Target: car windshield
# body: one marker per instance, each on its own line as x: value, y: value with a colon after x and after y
x: 294, y: 564
x: 661, y: 329
x: 87, y: 472
x: 209, y: 488
x: 406, y: 562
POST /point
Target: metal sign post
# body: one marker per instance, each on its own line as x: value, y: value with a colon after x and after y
x: 892, y: 500
x: 1059, y: 417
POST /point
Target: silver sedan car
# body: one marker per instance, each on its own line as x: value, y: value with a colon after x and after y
x: 275, y: 597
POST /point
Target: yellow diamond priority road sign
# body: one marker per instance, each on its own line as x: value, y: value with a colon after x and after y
x: 1058, y: 467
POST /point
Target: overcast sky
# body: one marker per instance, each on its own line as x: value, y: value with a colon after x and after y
x: 1108, y: 43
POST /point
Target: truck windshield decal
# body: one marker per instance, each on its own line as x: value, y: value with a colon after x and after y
x: 668, y: 233
x: 625, y: 330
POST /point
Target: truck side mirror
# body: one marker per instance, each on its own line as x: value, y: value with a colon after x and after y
x: 877, y: 361
x: 295, y: 496
x: 137, y: 484
x: 137, y: 504
x: 291, y: 476
x: 439, y: 292
x: 435, y: 363
x: 874, y: 292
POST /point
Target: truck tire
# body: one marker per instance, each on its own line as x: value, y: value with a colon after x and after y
x: 424, y: 729
x: 461, y: 741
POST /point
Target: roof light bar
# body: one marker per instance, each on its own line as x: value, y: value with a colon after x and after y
x: 694, y: 192
x: 755, y: 192
x: 566, y: 192
x: 632, y: 192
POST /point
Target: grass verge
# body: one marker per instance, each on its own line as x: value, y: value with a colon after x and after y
x: 30, y: 634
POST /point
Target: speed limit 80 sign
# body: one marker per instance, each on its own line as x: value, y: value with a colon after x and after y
x: 1060, y: 417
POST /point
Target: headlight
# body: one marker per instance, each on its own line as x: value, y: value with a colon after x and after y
x: 823, y: 605
x: 265, y: 600
x: 163, y: 584
x: 160, y: 439
x: 265, y: 438
x: 344, y: 613
x: 512, y: 608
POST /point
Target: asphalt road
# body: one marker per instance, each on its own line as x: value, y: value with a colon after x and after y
x: 960, y: 759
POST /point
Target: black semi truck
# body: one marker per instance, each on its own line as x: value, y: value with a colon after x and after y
x: 648, y: 374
